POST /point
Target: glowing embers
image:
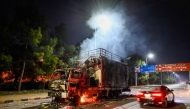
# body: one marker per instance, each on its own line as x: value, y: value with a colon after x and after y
x: 87, y: 99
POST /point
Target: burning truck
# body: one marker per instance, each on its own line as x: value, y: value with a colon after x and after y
x: 103, y: 74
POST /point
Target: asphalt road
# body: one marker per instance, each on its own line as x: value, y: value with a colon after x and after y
x: 182, y: 101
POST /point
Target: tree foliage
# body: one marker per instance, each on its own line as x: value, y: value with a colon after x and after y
x: 5, y: 43
x: 49, y: 61
x: 35, y: 36
x: 68, y: 54
x: 49, y: 64
x: 27, y: 47
x: 27, y: 26
x: 61, y: 34
x: 154, y: 77
x: 135, y: 60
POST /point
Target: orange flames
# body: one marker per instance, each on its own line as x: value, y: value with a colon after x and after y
x: 86, y: 99
x: 10, y: 77
x: 7, y: 76
x: 41, y: 78
x: 82, y: 99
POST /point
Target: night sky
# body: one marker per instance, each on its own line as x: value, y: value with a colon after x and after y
x: 157, y: 26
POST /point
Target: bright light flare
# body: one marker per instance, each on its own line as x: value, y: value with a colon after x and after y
x: 103, y: 22
x: 150, y: 55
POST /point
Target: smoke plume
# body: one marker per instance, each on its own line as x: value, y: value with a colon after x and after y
x: 117, y: 38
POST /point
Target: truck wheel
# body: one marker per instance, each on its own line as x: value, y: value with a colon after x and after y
x: 116, y: 95
x: 141, y: 104
x: 76, y: 100
x: 110, y: 95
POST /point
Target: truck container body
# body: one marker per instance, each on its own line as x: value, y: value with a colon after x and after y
x: 105, y: 72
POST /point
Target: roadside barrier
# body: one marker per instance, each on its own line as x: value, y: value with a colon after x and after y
x: 26, y: 99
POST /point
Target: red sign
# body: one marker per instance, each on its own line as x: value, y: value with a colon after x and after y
x: 173, y: 67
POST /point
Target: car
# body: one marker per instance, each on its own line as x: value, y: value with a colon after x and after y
x: 156, y: 94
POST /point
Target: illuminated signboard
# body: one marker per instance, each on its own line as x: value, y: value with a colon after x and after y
x: 164, y: 68
x: 148, y: 68
x: 137, y: 69
x: 173, y: 67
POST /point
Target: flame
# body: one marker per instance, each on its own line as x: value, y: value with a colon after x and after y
x: 9, y: 76
x: 86, y: 99
x: 83, y: 98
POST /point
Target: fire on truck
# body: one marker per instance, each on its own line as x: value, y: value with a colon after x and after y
x: 103, y: 74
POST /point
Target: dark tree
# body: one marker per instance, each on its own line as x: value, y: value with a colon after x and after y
x: 5, y: 43
x: 27, y: 28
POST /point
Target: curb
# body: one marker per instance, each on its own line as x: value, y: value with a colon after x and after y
x: 25, y: 99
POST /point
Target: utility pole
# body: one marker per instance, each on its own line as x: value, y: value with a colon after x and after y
x: 189, y: 76
x: 161, y: 78
x: 147, y: 73
x: 189, y: 82
x: 137, y: 69
x: 136, y: 78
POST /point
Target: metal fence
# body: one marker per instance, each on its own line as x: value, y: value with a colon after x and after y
x: 105, y: 53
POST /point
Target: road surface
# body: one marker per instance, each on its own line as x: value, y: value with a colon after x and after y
x: 182, y: 101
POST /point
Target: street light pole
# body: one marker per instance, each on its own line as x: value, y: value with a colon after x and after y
x: 146, y: 61
x: 161, y: 78
x: 136, y: 77
x: 150, y: 55
x: 147, y: 73
x: 189, y: 76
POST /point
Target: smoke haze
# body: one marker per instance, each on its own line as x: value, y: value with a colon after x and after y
x: 117, y: 39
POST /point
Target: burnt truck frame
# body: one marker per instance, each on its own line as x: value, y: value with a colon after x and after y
x: 103, y: 74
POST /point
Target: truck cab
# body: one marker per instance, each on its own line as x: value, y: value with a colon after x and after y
x: 65, y: 82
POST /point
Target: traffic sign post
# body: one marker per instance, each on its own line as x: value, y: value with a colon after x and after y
x: 147, y: 73
x: 137, y: 69
x: 177, y: 67
x: 148, y: 68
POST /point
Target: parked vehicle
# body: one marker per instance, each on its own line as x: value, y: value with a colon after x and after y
x: 103, y: 74
x: 156, y: 94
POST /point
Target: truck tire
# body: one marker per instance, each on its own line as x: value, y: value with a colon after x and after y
x: 110, y: 95
x: 76, y: 100
x: 116, y: 95
x: 141, y: 104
